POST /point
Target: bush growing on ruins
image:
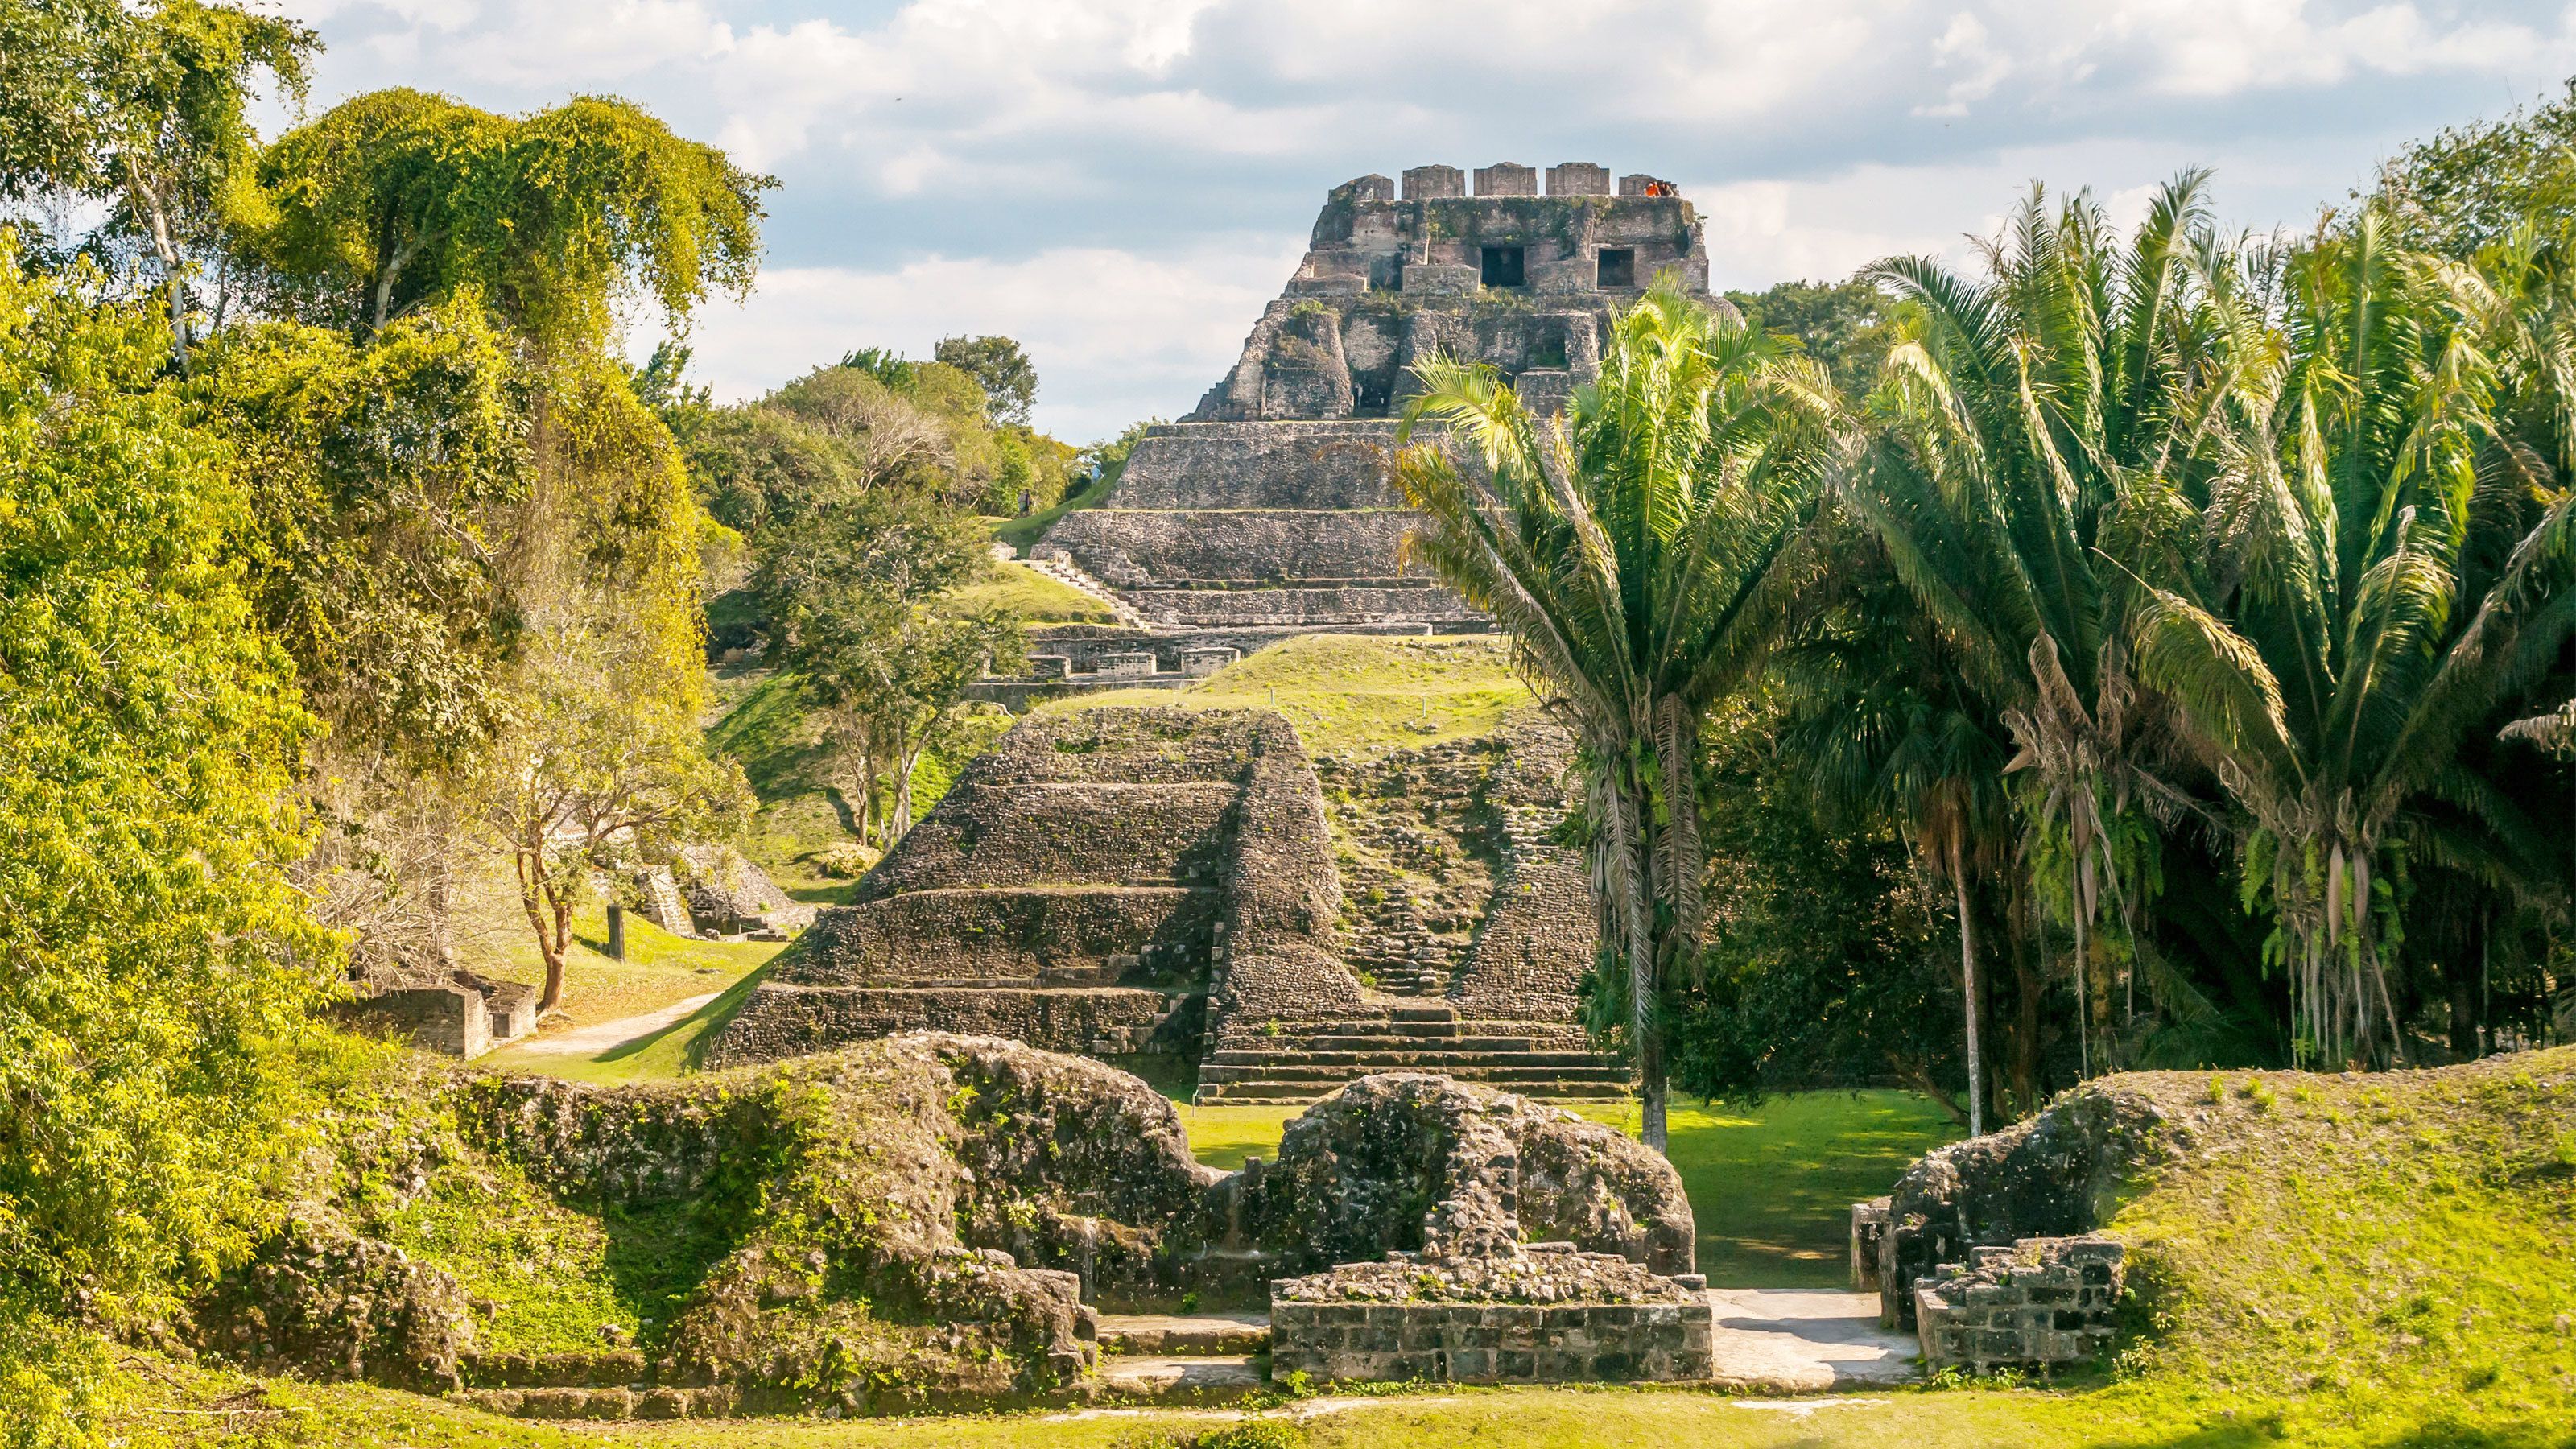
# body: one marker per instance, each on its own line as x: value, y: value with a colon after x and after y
x: 1630, y: 549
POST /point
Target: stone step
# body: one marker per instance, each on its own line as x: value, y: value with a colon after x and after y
x: 1397, y: 1061
x: 1258, y: 1094
x: 1486, y: 1075
x: 1212, y: 1379
x: 1184, y: 1335
x: 1475, y: 1034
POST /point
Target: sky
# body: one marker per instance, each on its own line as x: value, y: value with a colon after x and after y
x: 1122, y: 184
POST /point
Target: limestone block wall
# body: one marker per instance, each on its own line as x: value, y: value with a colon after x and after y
x: 1271, y: 465
x: 450, y: 1020
x: 1493, y: 1343
x: 1010, y: 936
x: 2041, y: 1303
x: 1140, y: 549
x: 987, y: 834
x: 786, y: 1021
x: 1305, y: 607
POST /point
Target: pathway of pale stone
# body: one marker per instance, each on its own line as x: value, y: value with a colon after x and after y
x: 590, y: 1041
x: 1767, y: 1341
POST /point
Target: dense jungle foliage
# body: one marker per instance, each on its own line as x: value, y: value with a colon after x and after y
x: 2150, y: 648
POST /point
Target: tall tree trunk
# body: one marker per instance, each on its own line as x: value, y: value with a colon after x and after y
x: 147, y: 200
x: 1968, y: 990
x: 531, y: 868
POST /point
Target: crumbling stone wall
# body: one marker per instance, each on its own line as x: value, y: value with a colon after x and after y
x: 1112, y: 1021
x: 922, y: 1220
x: 2052, y: 1176
x: 1544, y: 1316
x: 2041, y: 1303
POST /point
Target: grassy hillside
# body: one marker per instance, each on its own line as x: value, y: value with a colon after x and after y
x: 1351, y: 694
x: 764, y: 723
x: 1033, y: 596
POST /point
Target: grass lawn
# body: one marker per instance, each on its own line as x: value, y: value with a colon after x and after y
x: 659, y: 969
x: 1771, y: 1187
x: 291, y: 1412
x: 1356, y: 694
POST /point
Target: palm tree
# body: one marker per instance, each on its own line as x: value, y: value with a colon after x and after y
x: 2006, y: 425
x: 1631, y: 549
x: 1879, y: 721
x: 2381, y: 573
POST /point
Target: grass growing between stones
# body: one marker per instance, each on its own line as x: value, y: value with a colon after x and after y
x: 1357, y: 695
x: 1035, y: 597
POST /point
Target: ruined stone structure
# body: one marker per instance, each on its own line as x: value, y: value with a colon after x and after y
x: 1126, y: 881
x: 1074, y: 889
x: 459, y: 1014
x: 1270, y: 505
x: 934, y: 1220
x: 1988, y: 1248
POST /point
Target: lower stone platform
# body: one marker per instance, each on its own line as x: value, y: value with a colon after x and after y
x: 784, y: 1019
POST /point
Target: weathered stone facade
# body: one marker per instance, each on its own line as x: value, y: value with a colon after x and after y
x: 1081, y: 887
x: 1987, y: 1248
x: 459, y: 1015
x: 1271, y: 504
x: 1331, y: 1327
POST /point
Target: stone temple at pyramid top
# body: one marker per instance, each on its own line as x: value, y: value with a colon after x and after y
x: 1270, y: 506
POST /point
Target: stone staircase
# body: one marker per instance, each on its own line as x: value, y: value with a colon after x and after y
x: 1196, y: 1359
x: 1309, y: 1059
x: 1059, y: 566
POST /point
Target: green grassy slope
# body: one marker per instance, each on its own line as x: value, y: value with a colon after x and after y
x: 1352, y: 694
x: 1036, y: 598
x: 659, y: 968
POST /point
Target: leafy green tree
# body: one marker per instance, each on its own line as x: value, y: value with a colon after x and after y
x: 159, y: 963
x: 1630, y: 548
x: 598, y: 753
x: 1822, y: 966
x: 856, y: 597
x: 2378, y: 581
x: 2012, y: 416
x: 2471, y: 186
x: 398, y: 199
x: 386, y: 483
x: 1000, y: 368
x: 1848, y: 326
x: 146, y: 107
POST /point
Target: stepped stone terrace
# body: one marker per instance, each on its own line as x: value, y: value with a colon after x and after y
x: 1122, y: 882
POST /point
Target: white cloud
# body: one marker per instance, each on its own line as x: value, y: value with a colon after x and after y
x: 1963, y: 47
x: 1121, y: 183
x: 1115, y: 336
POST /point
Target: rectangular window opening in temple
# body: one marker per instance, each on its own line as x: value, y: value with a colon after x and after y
x: 1502, y: 266
x: 1618, y: 267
